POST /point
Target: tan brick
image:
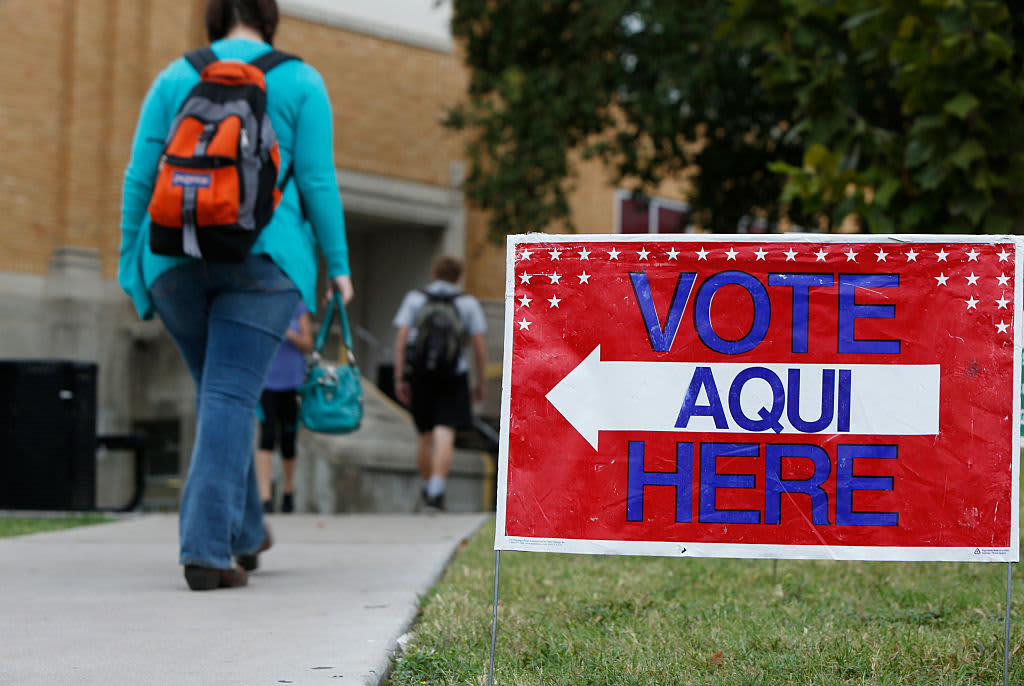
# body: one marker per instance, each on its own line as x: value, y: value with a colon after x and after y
x: 75, y: 75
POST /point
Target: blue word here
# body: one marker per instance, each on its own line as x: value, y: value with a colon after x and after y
x: 767, y: 481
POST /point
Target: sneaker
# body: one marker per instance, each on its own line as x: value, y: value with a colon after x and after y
x: 268, y: 507
x: 435, y: 504
x: 287, y: 503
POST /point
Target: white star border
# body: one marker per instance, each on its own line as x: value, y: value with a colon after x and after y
x: 712, y: 250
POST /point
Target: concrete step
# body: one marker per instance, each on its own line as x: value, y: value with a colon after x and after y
x: 374, y: 469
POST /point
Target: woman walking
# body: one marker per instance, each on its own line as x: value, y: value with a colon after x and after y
x: 228, y: 318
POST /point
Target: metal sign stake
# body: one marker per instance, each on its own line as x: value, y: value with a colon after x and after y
x: 494, y: 618
x: 1006, y: 622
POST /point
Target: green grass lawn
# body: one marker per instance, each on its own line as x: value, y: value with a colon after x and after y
x: 600, y: 620
x: 19, y: 526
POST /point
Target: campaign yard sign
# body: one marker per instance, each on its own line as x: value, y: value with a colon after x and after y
x: 822, y: 397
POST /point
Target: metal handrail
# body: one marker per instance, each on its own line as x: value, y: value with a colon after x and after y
x: 136, y: 443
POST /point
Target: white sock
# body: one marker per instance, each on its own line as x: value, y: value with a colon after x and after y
x: 435, y: 486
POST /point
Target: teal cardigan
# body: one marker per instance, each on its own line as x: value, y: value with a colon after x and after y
x: 300, y: 112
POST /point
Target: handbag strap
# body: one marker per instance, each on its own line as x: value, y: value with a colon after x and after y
x: 321, y: 339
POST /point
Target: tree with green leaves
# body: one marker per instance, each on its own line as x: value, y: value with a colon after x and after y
x: 907, y: 112
x: 646, y: 86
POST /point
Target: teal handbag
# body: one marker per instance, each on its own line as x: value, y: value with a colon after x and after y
x: 331, y: 397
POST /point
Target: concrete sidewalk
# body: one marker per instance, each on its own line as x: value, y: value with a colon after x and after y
x: 107, y: 604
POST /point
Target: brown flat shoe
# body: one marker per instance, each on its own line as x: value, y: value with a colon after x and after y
x: 252, y: 560
x: 208, y: 578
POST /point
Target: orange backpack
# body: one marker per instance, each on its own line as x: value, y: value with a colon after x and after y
x: 216, y: 185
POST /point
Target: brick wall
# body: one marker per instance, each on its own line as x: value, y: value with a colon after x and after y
x: 30, y: 117
x: 388, y: 100
x: 69, y: 108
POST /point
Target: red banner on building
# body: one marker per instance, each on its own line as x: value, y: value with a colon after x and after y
x: 737, y: 396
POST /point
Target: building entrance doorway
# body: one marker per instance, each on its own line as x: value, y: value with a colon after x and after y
x: 387, y: 259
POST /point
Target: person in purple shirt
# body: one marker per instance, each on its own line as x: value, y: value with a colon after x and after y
x: 279, y: 410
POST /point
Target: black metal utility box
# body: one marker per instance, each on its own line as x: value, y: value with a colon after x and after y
x: 47, y: 435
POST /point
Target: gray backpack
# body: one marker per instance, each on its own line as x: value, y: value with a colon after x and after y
x: 439, y: 337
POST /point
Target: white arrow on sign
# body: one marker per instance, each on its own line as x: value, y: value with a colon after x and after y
x: 598, y: 395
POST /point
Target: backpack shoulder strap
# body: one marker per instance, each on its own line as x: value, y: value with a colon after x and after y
x: 269, y: 60
x: 201, y: 58
x: 289, y: 173
x: 265, y: 63
x: 439, y: 297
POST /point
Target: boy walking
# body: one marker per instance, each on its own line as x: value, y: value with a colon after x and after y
x: 434, y: 326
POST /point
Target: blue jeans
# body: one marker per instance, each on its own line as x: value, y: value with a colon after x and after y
x: 227, y: 320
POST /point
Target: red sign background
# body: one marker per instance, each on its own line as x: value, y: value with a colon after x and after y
x: 955, y: 306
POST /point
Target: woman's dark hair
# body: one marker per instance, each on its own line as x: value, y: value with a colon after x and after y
x: 223, y: 15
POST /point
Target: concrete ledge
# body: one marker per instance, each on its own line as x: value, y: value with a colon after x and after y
x: 374, y: 469
x: 433, y: 35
